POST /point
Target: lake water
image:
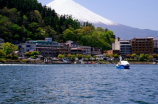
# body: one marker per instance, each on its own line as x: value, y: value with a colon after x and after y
x: 78, y: 84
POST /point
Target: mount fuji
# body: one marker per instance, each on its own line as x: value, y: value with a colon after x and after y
x: 69, y: 7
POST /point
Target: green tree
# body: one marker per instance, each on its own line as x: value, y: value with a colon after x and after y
x: 107, y: 55
x: 2, y: 54
x: 73, y: 57
x: 128, y: 55
x: 116, y: 56
x: 69, y: 56
x: 40, y: 33
x: 60, y: 56
x: 84, y: 56
x: 16, y: 37
x: 69, y: 35
x: 79, y: 56
x: 50, y: 32
x: 100, y: 29
x: 150, y: 57
x: 14, y: 57
x: 15, y: 28
x: 141, y: 57
x: 95, y: 57
x: 33, y: 57
x: 38, y: 16
x: 89, y: 56
x: 33, y: 26
x: 79, y: 34
x: 28, y: 39
x: 146, y: 55
x: 34, y: 53
x: 154, y: 55
x: 27, y: 53
x: 29, y: 34
x: 133, y: 55
x: 9, y: 48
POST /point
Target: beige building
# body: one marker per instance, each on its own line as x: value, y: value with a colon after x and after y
x: 111, y: 52
x: 116, y: 45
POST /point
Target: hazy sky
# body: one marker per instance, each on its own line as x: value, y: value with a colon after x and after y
x: 141, y: 14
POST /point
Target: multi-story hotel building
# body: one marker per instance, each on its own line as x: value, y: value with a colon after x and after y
x: 87, y: 50
x: 123, y: 47
x: 78, y: 50
x: 63, y: 49
x: 156, y: 46
x: 96, y: 51
x: 26, y: 47
x: 142, y: 45
x: 47, y: 47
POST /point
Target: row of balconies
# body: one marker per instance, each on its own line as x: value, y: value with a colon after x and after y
x: 141, y: 45
x: 142, y: 50
x: 142, y: 40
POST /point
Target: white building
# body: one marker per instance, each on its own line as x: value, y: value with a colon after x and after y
x: 100, y: 57
x: 116, y: 45
x: 48, y: 39
x: 72, y: 44
x: 155, y: 43
x: 123, y: 45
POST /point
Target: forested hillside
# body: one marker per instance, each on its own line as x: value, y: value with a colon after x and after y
x: 28, y: 20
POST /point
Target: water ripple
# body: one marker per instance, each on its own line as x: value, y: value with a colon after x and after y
x: 78, y: 84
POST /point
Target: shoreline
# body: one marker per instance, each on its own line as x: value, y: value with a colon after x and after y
x: 87, y: 62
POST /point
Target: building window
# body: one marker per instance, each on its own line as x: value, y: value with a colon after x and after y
x: 28, y: 46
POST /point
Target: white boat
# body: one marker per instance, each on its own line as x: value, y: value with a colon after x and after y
x: 123, y: 64
x: 65, y: 61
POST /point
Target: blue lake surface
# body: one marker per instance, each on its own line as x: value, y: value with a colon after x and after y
x: 78, y: 84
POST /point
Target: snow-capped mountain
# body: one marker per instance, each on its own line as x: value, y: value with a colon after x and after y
x: 69, y: 7
x: 77, y: 11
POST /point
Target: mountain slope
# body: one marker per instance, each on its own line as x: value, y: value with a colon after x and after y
x: 29, y: 20
x: 83, y: 15
x: 126, y: 32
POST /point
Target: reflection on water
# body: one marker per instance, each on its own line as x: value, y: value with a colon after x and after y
x: 78, y: 84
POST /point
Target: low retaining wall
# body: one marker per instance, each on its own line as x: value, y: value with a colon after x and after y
x: 141, y: 62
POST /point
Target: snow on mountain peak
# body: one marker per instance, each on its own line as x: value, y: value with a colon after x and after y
x: 69, y: 7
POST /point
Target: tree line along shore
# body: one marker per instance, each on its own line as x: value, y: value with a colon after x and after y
x: 8, y: 55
